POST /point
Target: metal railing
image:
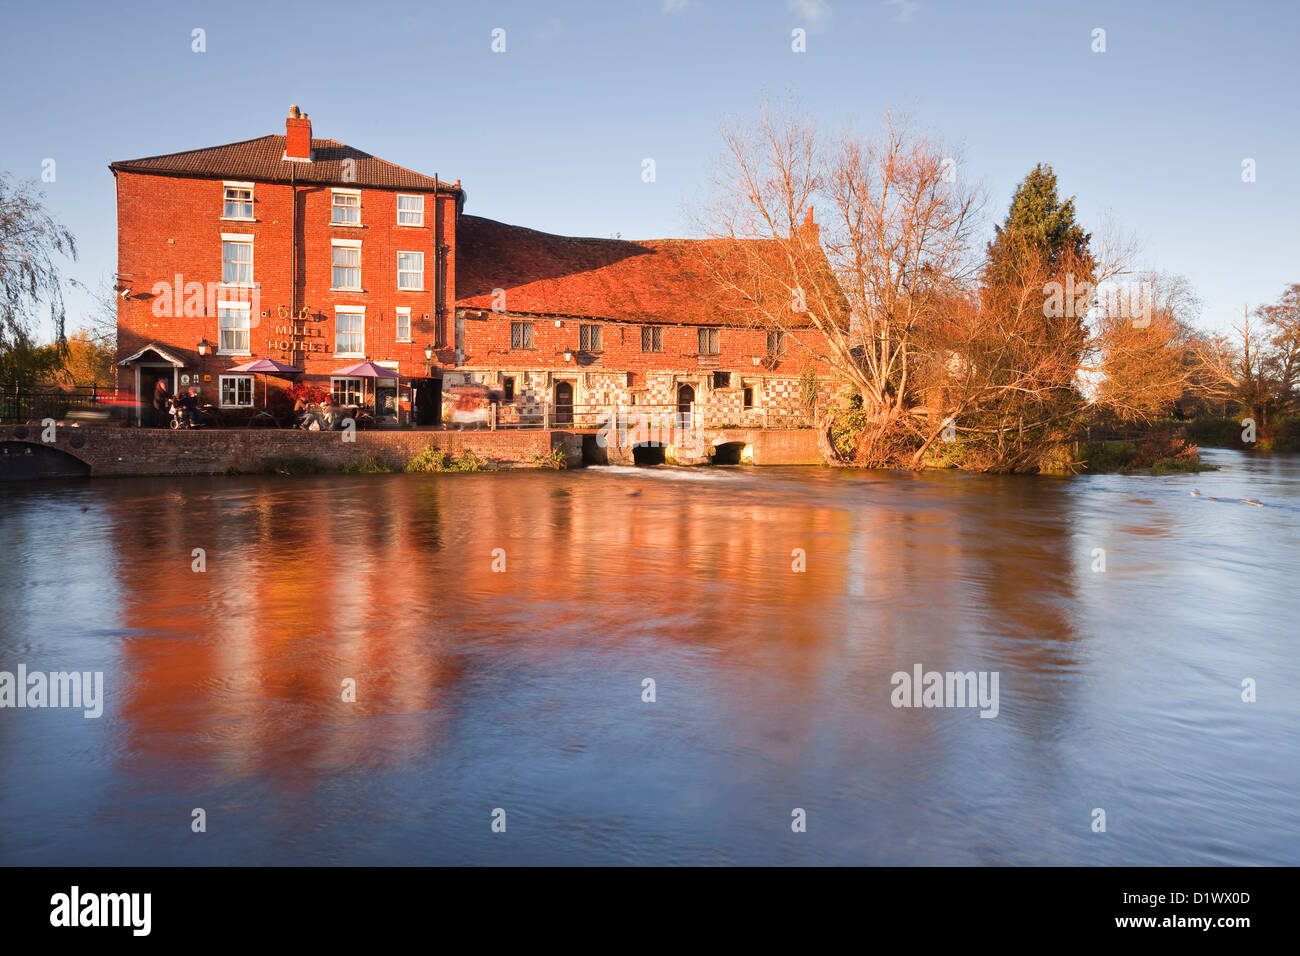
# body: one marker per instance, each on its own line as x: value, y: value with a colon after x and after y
x: 23, y: 402
x: 1101, y: 433
x: 589, y: 417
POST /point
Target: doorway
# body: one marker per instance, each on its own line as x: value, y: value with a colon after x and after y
x: 148, y: 377
x: 685, y: 407
x: 564, y: 403
x: 428, y: 401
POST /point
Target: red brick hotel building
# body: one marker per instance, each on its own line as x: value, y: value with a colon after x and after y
x: 319, y: 255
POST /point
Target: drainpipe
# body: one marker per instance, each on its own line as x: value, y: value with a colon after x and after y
x: 437, y: 261
x: 293, y: 245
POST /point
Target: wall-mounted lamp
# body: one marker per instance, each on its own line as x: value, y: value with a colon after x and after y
x: 203, y: 346
x: 428, y: 352
x: 757, y: 360
x: 568, y: 356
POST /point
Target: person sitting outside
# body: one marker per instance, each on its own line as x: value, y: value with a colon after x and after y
x: 189, y: 403
x: 330, y: 417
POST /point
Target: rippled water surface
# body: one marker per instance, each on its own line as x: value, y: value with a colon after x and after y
x: 522, y: 689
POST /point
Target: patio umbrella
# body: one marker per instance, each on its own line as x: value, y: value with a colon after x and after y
x: 366, y: 369
x: 265, y: 367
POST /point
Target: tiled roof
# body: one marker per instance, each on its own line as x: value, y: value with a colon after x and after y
x: 262, y: 160
x: 672, y: 281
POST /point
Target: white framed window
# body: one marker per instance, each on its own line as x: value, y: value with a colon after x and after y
x: 238, y: 202
x: 410, y: 210
x: 233, y: 328
x: 345, y: 209
x: 410, y: 271
x: 236, y: 391
x: 346, y: 391
x: 236, y: 259
x: 350, y: 331
x: 345, y: 260
x: 403, y: 324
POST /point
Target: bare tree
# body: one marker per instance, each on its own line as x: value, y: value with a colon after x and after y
x: 1232, y: 369
x: 1282, y: 328
x: 1256, y: 366
x: 891, y: 250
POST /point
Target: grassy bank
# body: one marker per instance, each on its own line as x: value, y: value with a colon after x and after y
x: 428, y: 461
x: 1160, y: 456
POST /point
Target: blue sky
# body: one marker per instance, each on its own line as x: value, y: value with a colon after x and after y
x: 551, y: 134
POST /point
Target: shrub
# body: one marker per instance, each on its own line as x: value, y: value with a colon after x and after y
x: 846, y: 433
x: 1165, y: 466
x: 808, y: 387
x: 554, y: 460
x: 435, y: 460
x: 309, y: 392
x: 469, y: 462
x: 431, y: 459
x: 1163, y: 455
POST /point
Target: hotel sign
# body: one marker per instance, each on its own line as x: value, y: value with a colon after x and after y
x: 303, y: 334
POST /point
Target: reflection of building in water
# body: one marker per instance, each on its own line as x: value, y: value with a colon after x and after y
x: 389, y: 581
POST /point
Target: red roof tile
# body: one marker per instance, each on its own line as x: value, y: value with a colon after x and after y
x: 671, y: 281
x: 262, y: 160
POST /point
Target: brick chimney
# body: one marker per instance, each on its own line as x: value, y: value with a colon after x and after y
x: 297, y: 136
x: 809, y: 231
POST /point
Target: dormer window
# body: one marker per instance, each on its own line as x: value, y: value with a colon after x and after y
x: 346, y: 209
x: 238, y: 202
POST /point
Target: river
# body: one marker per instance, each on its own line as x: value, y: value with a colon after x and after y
x: 499, y: 628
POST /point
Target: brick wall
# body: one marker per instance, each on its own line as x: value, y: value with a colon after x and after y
x: 136, y: 451
x: 170, y: 226
x: 140, y: 452
x: 623, y: 374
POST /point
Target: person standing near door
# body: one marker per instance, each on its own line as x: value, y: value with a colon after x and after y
x: 160, y: 396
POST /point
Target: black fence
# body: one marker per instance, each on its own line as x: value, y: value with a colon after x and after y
x: 1101, y: 433
x: 26, y: 403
